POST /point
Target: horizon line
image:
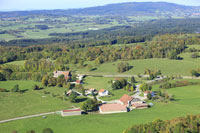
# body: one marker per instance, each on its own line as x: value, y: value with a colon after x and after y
x: 46, y: 9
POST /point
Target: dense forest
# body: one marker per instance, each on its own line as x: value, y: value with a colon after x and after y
x: 188, y: 124
x: 41, y: 60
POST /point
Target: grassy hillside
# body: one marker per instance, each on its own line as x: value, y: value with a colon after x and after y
x: 168, y: 67
x: 30, y: 102
x: 187, y: 102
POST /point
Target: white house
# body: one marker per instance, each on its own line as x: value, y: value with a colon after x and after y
x: 103, y: 92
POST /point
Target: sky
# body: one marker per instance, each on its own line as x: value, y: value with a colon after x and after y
x: 10, y: 5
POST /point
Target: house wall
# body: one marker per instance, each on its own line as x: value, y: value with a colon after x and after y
x: 112, y: 112
x: 138, y: 107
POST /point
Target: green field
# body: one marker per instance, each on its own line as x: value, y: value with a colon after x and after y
x: 167, y: 67
x: 30, y: 102
x: 187, y: 102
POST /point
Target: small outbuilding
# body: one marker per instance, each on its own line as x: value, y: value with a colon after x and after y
x: 139, y: 106
x: 71, y: 112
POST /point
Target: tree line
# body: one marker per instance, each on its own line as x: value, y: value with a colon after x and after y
x: 188, y: 124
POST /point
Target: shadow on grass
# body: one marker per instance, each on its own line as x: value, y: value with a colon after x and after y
x: 78, y: 100
x: 93, y: 69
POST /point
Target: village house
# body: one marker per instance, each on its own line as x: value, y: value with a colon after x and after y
x: 112, y: 108
x: 103, y: 92
x: 71, y: 112
x: 67, y: 74
x: 80, y: 77
x: 126, y: 100
x: 68, y: 92
x: 132, y: 103
x: 91, y: 91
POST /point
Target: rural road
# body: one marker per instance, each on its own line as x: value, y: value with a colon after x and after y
x: 25, y: 117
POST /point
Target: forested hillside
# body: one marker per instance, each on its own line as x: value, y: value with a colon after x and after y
x: 189, y: 124
x: 125, y: 9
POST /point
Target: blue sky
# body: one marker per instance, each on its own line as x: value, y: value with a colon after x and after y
x: 66, y: 4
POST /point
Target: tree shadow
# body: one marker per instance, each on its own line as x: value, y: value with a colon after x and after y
x: 78, y: 100
x: 93, y: 69
x: 180, y: 58
x: 23, y: 91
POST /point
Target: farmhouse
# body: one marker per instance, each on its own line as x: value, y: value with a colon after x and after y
x: 103, y: 92
x: 126, y: 99
x: 112, y: 108
x: 67, y: 74
x: 71, y: 112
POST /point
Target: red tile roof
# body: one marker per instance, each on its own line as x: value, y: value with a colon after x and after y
x: 78, y: 81
x: 72, y: 110
x: 125, y: 98
x: 65, y: 73
x: 102, y: 90
x: 112, y: 107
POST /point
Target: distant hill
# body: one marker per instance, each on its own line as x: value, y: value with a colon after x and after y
x: 125, y: 9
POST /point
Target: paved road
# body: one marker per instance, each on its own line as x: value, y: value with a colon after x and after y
x: 25, y: 117
x: 115, y: 76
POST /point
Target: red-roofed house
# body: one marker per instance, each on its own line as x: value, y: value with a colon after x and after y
x: 67, y: 74
x: 126, y: 99
x: 112, y: 108
x: 71, y: 112
x: 103, y: 92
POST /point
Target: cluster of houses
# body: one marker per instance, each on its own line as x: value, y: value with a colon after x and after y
x: 68, y: 75
x: 125, y: 103
x: 101, y: 92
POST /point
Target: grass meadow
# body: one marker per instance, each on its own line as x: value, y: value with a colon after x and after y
x: 31, y: 101
x: 167, y: 67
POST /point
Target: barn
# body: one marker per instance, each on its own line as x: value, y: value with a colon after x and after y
x: 71, y: 112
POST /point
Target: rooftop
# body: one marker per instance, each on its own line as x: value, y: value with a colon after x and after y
x: 125, y: 98
x: 112, y: 107
x: 72, y: 110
